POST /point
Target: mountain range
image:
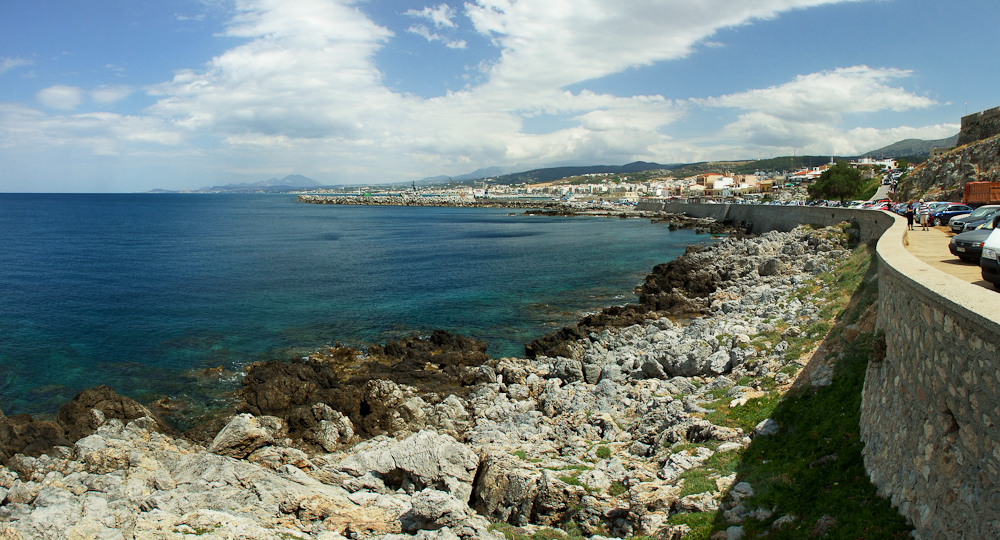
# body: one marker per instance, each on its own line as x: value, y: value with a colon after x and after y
x: 291, y: 181
x: 912, y: 147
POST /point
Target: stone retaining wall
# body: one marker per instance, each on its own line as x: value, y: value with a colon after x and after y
x: 764, y: 217
x: 930, y: 414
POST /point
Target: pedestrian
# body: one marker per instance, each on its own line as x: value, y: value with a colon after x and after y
x: 925, y: 213
x: 909, y: 215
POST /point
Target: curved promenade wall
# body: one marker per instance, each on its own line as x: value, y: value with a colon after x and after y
x: 930, y: 412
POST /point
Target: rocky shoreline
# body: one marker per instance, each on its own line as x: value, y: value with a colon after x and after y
x: 433, y: 439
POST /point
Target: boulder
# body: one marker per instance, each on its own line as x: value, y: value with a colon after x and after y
x: 434, y: 510
x: 244, y: 434
x: 766, y: 427
x: 506, y: 489
x: 422, y: 460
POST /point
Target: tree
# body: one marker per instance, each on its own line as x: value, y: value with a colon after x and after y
x: 838, y: 182
x: 902, y: 164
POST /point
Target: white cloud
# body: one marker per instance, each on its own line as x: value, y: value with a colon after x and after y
x: 555, y: 43
x: 110, y: 94
x: 425, y: 33
x: 807, y: 113
x: 828, y: 95
x: 301, y: 90
x: 441, y: 15
x: 8, y: 63
x: 306, y: 73
x: 64, y: 98
x: 101, y: 133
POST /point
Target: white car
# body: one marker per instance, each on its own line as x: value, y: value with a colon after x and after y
x: 990, y: 259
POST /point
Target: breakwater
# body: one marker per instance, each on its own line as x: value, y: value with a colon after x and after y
x: 416, y: 200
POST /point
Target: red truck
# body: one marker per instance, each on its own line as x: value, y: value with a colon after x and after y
x: 982, y: 193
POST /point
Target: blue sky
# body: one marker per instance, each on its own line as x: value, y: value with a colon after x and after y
x: 132, y: 95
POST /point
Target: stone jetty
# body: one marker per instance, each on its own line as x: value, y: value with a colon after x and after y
x: 445, y: 200
x: 433, y: 439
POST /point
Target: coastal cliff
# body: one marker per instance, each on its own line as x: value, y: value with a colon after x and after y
x: 600, y: 434
x: 943, y: 178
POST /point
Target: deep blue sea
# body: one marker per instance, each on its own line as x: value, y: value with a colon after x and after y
x: 143, y: 291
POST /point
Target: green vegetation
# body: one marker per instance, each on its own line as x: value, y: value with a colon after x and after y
x: 603, y: 452
x: 869, y: 188
x: 841, y: 182
x: 813, y: 466
x: 702, y: 479
x: 617, y: 488
x: 522, y: 455
x: 701, y: 523
x: 513, y: 533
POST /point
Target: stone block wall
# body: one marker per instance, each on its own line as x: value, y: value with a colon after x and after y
x: 930, y: 416
x: 979, y: 126
x: 765, y: 217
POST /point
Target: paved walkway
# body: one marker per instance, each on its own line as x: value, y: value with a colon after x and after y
x: 931, y: 246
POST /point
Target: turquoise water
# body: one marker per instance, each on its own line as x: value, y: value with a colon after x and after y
x: 141, y: 291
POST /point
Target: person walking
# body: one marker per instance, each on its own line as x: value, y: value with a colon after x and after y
x: 925, y: 213
x: 909, y: 214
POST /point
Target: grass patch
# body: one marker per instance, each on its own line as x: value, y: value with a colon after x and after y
x: 702, y: 479
x: 813, y: 466
x: 701, y: 524
x: 603, y: 452
x: 745, y: 417
x: 617, y: 488
x: 513, y: 533
x: 522, y: 455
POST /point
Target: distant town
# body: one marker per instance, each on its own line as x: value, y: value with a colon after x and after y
x: 622, y: 188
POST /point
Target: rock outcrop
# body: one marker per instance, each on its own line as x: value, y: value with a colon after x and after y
x: 943, y: 178
x: 21, y: 434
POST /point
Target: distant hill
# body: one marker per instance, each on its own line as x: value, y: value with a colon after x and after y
x: 912, y: 147
x: 555, y: 173
x: 274, y: 184
x: 489, y: 172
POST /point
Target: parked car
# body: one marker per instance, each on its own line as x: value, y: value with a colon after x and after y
x: 968, y: 246
x: 937, y: 204
x: 990, y: 260
x: 942, y: 214
x: 970, y: 224
x: 958, y: 222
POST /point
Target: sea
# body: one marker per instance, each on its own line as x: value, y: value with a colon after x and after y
x: 171, y: 295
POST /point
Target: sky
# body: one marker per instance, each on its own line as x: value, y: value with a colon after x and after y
x: 134, y: 95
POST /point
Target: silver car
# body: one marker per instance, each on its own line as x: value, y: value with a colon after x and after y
x: 957, y: 223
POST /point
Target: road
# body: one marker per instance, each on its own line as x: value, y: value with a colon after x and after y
x: 931, y: 246
x: 882, y: 193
